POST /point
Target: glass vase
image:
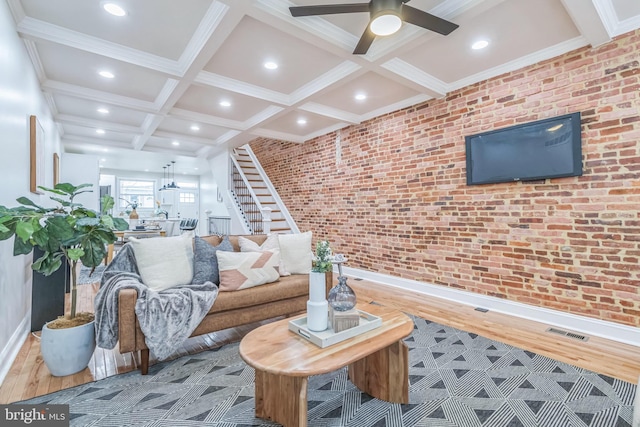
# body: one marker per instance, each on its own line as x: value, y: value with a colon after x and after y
x: 341, y: 297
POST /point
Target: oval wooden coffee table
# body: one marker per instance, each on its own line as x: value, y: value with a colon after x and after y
x: 377, y: 359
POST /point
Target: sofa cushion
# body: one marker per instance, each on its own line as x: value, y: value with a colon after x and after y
x: 270, y: 244
x: 295, y: 251
x: 205, y: 262
x: 164, y: 262
x: 289, y: 287
x: 241, y: 270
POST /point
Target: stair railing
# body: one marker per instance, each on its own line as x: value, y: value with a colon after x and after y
x: 246, y: 199
x: 276, y: 197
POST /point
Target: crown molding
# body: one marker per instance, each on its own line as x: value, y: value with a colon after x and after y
x: 17, y: 11
x: 30, y: 27
x: 334, y: 113
x: 164, y: 94
x: 332, y: 76
x: 629, y: 24
x: 607, y: 14
x: 51, y: 102
x: 524, y: 61
x: 201, y: 36
x: 206, y: 118
x: 325, y: 131
x: 183, y: 138
x: 96, y: 95
x: 227, y: 137
x: 227, y: 83
x: 81, y: 121
x: 282, y: 136
x: 409, y: 102
x: 263, y: 115
x: 32, y: 51
x: 98, y: 142
x: 416, y: 75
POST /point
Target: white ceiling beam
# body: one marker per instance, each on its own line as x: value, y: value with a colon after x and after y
x: 97, y: 95
x: 593, y: 26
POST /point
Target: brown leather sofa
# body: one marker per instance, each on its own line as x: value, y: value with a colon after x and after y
x: 285, y: 297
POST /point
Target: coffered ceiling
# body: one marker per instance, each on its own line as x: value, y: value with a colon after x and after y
x: 189, y: 77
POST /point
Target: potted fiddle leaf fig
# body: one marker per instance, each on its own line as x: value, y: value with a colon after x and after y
x: 70, y: 232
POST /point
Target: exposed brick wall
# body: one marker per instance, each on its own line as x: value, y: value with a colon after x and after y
x: 397, y: 202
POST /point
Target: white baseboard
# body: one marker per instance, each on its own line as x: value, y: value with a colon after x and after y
x: 10, y: 351
x: 585, y: 325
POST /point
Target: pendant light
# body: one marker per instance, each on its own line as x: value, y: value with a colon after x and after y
x: 170, y: 176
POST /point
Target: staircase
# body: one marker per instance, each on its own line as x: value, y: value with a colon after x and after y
x: 255, y: 196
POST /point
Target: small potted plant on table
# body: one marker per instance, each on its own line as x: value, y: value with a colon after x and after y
x: 68, y: 232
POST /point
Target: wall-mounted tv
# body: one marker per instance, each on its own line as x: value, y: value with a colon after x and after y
x: 549, y: 148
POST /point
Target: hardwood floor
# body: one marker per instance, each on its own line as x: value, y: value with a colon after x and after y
x: 29, y: 377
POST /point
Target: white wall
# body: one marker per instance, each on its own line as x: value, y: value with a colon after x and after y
x: 79, y: 169
x: 20, y: 97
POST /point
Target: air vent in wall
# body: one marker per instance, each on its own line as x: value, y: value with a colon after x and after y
x: 567, y: 334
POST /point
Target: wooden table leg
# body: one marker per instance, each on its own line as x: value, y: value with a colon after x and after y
x: 281, y: 399
x: 384, y: 374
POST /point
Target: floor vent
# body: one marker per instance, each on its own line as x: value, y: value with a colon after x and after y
x: 567, y: 334
x: 358, y: 278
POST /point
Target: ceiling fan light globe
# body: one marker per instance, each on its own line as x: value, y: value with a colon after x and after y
x: 385, y: 24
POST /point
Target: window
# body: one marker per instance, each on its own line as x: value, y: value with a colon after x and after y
x: 187, y: 198
x: 136, y: 191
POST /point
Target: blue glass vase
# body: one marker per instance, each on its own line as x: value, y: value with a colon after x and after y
x: 341, y: 297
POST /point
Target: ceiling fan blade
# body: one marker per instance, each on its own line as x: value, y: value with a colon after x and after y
x: 328, y: 9
x: 426, y: 20
x: 365, y: 42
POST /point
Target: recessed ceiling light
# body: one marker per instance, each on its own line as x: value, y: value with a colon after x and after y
x: 195, y: 128
x: 480, y: 44
x: 100, y: 131
x: 103, y: 111
x: 106, y: 150
x: 302, y: 121
x: 195, y: 168
x: 270, y: 65
x: 146, y: 170
x: 114, y: 9
x: 176, y: 143
x: 106, y: 74
x: 361, y: 96
x: 103, y: 160
x: 225, y: 104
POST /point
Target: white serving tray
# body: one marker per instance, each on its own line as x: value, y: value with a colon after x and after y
x: 327, y: 337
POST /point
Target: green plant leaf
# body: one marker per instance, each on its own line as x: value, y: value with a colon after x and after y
x: 63, y: 202
x: 40, y: 238
x: 27, y: 202
x: 95, y: 250
x: 59, y: 227
x: 48, y: 263
x: 24, y: 230
x: 20, y: 247
x: 75, y: 254
x: 107, y: 203
x: 107, y: 221
x: 120, y: 224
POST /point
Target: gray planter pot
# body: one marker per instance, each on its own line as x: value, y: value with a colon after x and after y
x: 67, y: 351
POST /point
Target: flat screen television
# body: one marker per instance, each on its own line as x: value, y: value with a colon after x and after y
x: 549, y: 148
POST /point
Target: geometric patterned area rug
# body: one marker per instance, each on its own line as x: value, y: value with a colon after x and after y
x: 456, y: 379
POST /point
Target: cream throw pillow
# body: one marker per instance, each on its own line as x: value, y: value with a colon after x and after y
x: 295, y: 251
x: 164, y: 262
x: 242, y: 270
x: 270, y: 244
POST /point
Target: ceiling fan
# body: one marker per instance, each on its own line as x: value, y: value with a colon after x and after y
x: 386, y: 17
